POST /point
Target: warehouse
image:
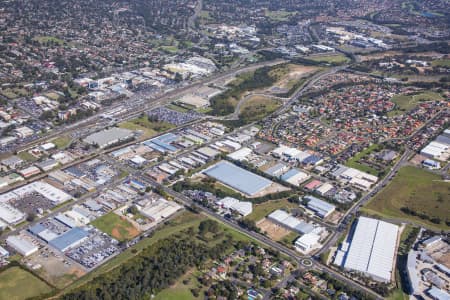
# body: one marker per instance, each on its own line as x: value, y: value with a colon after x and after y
x: 109, y: 137
x: 294, y: 177
x: 163, y: 143
x: 277, y: 170
x: 372, y: 249
x: 160, y: 209
x: 238, y: 178
x: 244, y: 208
x: 21, y: 245
x: 241, y: 154
x: 307, y: 242
x: 10, y: 214
x: 29, y: 172
x: 321, y: 208
x: 69, y: 239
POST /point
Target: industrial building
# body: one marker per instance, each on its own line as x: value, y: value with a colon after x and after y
x: 244, y: 208
x: 238, y: 178
x: 10, y: 215
x: 163, y: 143
x: 321, y: 208
x: 307, y: 242
x: 372, y: 249
x: 356, y: 178
x: 292, y: 223
x: 439, y: 148
x: 69, y: 239
x: 159, y: 209
x: 21, y: 245
x: 109, y: 137
x: 295, y: 177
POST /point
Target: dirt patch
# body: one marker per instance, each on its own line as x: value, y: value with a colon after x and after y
x: 272, y: 230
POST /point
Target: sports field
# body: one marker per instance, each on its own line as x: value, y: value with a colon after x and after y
x: 116, y: 226
x: 18, y: 284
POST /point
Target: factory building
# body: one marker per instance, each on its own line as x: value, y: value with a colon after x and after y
x: 21, y: 245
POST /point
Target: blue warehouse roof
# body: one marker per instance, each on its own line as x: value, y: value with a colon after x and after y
x: 69, y: 238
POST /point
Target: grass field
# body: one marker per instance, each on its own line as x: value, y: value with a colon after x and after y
x: 420, y: 191
x: 18, y: 284
x: 116, y: 226
x: 262, y: 210
x: 46, y: 39
x: 62, y: 141
x: 331, y: 59
x: 279, y: 15
x: 180, y: 290
x: 441, y: 63
x: 354, y: 161
x: 405, y: 103
x: 148, y: 128
x: 258, y: 107
x: 25, y: 155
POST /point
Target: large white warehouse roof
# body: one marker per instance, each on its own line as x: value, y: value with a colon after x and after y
x: 372, y: 248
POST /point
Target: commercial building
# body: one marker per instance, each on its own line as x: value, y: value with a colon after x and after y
x: 372, y: 249
x: 21, y: 245
x: 29, y: 172
x: 109, y: 137
x: 241, y: 154
x: 292, y: 223
x: 244, y: 208
x: 238, y: 178
x: 411, y: 270
x: 438, y: 294
x: 163, y: 143
x: 321, y: 208
x: 357, y: 178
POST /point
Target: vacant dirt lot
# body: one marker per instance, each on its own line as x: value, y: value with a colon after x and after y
x: 273, y: 231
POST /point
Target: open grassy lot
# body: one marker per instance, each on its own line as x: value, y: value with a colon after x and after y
x: 419, y: 191
x: 25, y: 155
x: 18, y: 284
x: 116, y: 226
x: 51, y: 39
x: 180, y: 290
x: 441, y: 63
x: 148, y: 128
x: 331, y: 59
x: 354, y: 161
x: 258, y: 107
x: 262, y: 210
x: 405, y: 103
x: 279, y: 15
x: 62, y: 141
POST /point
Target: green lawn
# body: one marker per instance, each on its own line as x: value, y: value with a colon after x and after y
x: 116, y: 226
x: 148, y: 128
x: 354, y: 161
x: 441, y: 63
x: 405, y: 103
x: 332, y: 59
x: 25, y: 155
x: 262, y: 210
x: 257, y: 107
x: 420, y: 191
x: 18, y: 284
x: 62, y: 142
x: 46, y: 39
x: 279, y: 15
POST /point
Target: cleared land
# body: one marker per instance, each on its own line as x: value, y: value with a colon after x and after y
x: 418, y: 190
x: 274, y: 231
x: 116, y: 226
x: 262, y: 210
x: 180, y: 290
x: 290, y: 75
x: 18, y: 284
x: 258, y: 107
x: 62, y: 142
x: 148, y: 128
